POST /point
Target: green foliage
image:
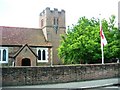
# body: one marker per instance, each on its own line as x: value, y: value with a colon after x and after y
x: 82, y: 42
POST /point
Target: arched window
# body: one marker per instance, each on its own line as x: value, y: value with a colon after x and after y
x: 4, y: 55
x: 39, y: 55
x: 44, y: 55
x: 57, y: 21
x: 54, y: 21
x: 0, y: 55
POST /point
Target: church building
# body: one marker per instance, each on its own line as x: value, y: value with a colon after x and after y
x: 21, y: 46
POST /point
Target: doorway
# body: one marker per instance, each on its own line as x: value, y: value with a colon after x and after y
x: 26, y: 62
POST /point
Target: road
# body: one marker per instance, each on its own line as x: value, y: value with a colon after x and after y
x: 75, y: 85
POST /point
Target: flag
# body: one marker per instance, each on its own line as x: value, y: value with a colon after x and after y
x: 103, y: 39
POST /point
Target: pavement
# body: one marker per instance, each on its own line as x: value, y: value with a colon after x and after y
x: 87, y: 85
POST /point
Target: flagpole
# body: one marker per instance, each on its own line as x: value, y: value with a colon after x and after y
x: 101, y: 41
x: 102, y: 54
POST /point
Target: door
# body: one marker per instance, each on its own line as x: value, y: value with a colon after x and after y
x: 26, y: 62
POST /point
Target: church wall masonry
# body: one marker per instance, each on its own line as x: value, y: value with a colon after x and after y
x: 52, y: 23
x: 12, y: 76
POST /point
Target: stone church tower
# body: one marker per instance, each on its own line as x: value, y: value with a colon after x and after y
x: 52, y: 22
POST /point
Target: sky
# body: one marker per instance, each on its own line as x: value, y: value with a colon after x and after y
x: 25, y: 13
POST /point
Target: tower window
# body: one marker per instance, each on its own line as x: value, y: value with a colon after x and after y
x: 56, y: 24
x: 56, y: 21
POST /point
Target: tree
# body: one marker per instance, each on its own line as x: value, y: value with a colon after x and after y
x: 81, y: 44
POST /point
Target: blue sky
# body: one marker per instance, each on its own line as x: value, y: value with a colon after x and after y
x: 25, y: 13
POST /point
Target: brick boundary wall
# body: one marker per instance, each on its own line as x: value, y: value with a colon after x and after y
x: 12, y: 76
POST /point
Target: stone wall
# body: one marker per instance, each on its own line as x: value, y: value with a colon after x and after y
x: 57, y: 74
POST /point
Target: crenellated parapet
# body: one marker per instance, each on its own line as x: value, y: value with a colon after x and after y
x: 49, y: 11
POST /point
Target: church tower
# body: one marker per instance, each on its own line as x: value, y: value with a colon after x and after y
x: 52, y: 22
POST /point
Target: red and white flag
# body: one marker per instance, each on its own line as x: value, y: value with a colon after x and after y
x: 103, y: 39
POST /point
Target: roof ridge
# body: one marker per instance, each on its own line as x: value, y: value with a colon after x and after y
x: 19, y: 27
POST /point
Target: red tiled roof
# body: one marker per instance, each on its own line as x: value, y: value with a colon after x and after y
x: 22, y: 36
